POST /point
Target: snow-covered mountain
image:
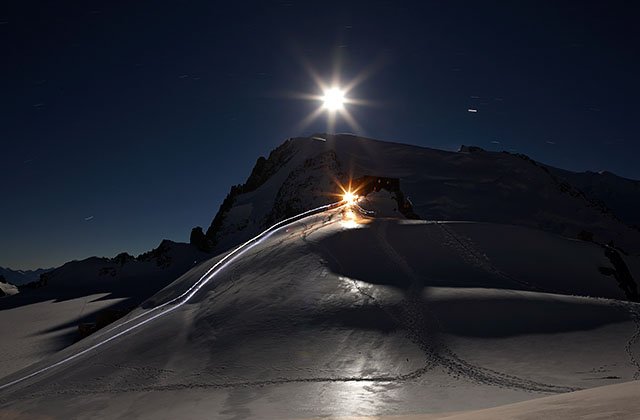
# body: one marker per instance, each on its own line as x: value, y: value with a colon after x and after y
x: 472, y: 185
x: 457, y: 283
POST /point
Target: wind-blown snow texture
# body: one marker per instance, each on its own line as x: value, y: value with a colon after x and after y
x: 340, y: 314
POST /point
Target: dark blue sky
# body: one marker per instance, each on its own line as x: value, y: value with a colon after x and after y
x: 139, y: 116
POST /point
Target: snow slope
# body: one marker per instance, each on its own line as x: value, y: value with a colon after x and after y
x: 618, y: 401
x: 622, y: 195
x: 49, y: 311
x: 36, y: 330
x: 339, y: 315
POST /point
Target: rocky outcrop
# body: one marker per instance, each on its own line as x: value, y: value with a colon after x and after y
x: 264, y: 169
x: 621, y: 273
x: 313, y: 184
x: 200, y: 240
x: 161, y: 254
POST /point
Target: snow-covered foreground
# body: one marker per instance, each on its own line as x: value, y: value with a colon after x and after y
x: 341, y: 315
x: 42, y: 320
x: 619, y: 401
x: 37, y: 330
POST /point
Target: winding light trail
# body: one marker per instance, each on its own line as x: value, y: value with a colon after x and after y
x: 186, y: 295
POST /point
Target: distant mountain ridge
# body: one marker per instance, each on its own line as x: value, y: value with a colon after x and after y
x: 123, y: 274
x: 18, y: 277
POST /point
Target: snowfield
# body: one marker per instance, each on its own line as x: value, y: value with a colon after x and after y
x: 487, y: 307
x: 41, y: 321
x: 376, y: 317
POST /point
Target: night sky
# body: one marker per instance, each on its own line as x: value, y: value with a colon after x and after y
x: 123, y: 123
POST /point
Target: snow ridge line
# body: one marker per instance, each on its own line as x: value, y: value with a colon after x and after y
x: 186, y: 295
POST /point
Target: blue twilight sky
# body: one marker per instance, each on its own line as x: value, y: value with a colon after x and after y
x: 122, y: 123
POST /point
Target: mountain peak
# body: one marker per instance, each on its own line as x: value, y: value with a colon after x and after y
x: 306, y: 172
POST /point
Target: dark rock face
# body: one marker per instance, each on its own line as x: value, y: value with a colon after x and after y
x: 226, y: 205
x: 265, y: 168
x: 262, y: 171
x: 200, y: 240
x: 308, y: 186
x: 123, y: 258
x: 621, y: 273
x: 160, y: 254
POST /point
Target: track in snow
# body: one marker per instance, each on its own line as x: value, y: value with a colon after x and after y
x: 423, y: 332
x: 183, y: 298
x: 466, y: 247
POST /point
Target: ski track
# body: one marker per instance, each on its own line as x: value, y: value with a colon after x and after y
x: 633, y: 340
x: 480, y: 260
x: 182, y: 298
x: 225, y: 385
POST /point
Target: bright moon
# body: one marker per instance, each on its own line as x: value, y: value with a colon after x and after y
x: 333, y: 99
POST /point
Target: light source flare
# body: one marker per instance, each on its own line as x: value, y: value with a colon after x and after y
x: 349, y: 197
x: 333, y: 99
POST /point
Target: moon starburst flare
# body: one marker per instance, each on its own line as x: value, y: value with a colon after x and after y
x: 334, y: 99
